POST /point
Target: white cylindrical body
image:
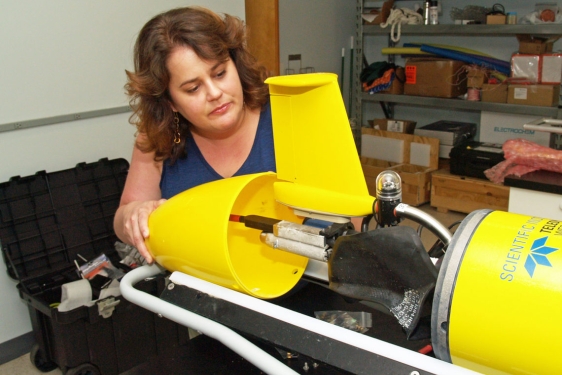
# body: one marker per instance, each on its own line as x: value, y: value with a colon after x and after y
x: 309, y: 251
x: 300, y: 233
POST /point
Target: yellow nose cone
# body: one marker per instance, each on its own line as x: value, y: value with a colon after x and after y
x: 191, y: 233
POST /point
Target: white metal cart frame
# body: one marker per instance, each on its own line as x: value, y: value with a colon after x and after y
x: 407, y: 362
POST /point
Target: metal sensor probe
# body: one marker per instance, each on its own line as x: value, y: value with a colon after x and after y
x: 389, y: 195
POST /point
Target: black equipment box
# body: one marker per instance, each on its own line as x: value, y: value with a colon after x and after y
x: 47, y: 222
x: 472, y: 158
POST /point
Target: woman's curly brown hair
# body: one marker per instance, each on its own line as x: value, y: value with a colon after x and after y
x: 213, y: 38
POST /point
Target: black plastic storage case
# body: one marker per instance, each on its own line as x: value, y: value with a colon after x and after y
x: 472, y: 158
x: 47, y: 220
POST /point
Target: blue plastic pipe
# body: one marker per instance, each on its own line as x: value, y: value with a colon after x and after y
x: 471, y: 59
x: 489, y: 59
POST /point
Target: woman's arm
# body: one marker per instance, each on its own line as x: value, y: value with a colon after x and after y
x: 140, y: 197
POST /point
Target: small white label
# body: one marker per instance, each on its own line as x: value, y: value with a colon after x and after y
x: 395, y: 126
x: 520, y: 93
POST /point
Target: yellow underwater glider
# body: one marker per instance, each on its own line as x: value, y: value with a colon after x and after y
x: 318, y: 175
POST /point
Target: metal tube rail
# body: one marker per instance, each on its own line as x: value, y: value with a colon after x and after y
x: 231, y: 339
x: 417, y: 215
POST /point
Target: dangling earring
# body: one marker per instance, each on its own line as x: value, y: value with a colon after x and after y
x: 177, y: 135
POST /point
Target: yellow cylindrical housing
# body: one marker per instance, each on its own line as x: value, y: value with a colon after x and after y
x: 498, y: 297
x: 191, y: 233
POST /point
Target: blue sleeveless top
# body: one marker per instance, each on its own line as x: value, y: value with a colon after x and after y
x: 194, y: 170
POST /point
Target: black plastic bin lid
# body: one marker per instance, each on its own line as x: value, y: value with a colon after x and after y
x: 49, y: 220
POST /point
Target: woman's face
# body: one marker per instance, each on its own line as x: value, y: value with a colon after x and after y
x: 207, y: 93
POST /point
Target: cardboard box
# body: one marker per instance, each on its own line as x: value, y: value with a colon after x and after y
x: 412, y: 157
x: 535, y: 45
x: 494, y: 93
x: 498, y: 127
x: 527, y: 67
x: 476, y: 78
x: 378, y: 16
x: 445, y: 152
x: 397, y: 86
x: 495, y: 19
x: 466, y: 194
x: 442, y: 78
x: 551, y: 68
x: 393, y: 125
x: 537, y: 94
x: 448, y: 132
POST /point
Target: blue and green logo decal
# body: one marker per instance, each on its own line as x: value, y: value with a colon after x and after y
x: 538, y: 255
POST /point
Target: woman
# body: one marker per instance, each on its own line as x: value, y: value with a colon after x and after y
x: 201, y: 110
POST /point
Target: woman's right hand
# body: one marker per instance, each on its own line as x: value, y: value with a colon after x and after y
x: 141, y: 195
x: 134, y: 224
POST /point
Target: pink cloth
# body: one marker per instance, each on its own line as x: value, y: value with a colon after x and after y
x: 523, y: 156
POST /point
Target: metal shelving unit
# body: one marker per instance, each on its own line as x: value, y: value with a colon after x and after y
x: 463, y: 104
x: 470, y: 30
x: 461, y: 30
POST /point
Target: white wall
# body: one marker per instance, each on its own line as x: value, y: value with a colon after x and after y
x: 60, y: 57
x: 317, y: 30
x: 64, y: 56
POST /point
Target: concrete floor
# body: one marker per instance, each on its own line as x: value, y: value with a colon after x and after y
x: 23, y: 365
